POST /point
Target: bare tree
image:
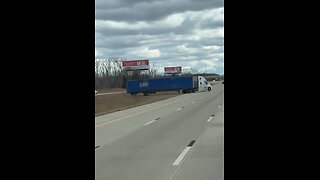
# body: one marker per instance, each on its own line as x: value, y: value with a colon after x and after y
x: 153, y: 70
x: 108, y: 73
x: 194, y: 70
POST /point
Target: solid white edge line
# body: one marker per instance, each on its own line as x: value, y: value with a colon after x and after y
x: 149, y: 122
x: 110, y: 93
x: 180, y: 157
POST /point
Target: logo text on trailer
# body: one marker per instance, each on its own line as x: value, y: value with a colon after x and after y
x: 144, y: 84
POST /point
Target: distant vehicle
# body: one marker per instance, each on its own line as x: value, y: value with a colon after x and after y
x: 185, y: 84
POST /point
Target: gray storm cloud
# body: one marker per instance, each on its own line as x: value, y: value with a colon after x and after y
x: 167, y: 32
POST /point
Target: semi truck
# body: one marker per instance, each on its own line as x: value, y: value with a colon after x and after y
x: 181, y: 84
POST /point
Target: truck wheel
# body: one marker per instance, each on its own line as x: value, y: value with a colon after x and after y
x: 209, y: 88
x: 146, y: 94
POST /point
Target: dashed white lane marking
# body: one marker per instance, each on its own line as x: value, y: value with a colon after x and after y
x: 150, y: 122
x: 180, y: 157
x: 134, y: 114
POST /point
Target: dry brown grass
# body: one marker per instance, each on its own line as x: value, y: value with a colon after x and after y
x: 115, y: 102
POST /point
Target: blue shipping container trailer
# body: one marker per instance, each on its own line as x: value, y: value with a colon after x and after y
x: 183, y: 84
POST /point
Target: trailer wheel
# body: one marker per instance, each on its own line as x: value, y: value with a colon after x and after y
x: 209, y: 88
x: 146, y: 94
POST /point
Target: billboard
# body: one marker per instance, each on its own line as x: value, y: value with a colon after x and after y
x: 172, y: 70
x: 135, y: 65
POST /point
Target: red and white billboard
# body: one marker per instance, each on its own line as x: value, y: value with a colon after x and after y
x: 135, y: 65
x: 172, y: 70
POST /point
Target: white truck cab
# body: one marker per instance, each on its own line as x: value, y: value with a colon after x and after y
x: 203, y: 84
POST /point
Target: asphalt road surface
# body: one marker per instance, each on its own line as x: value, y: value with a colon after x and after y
x: 179, y: 138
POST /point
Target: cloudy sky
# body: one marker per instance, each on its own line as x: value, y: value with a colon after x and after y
x: 187, y: 33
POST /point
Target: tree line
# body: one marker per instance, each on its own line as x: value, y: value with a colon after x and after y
x: 110, y: 74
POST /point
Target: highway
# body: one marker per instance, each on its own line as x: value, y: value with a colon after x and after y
x: 180, y: 138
